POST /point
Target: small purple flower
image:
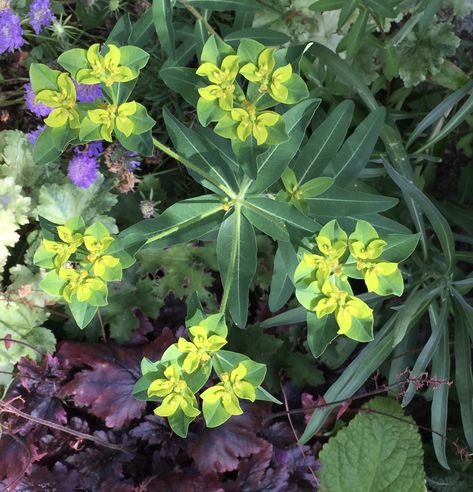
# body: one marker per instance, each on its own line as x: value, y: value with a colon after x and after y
x: 93, y: 149
x: 130, y: 163
x: 33, y: 135
x: 39, y: 109
x: 40, y: 14
x: 88, y: 93
x: 11, y: 33
x: 83, y: 170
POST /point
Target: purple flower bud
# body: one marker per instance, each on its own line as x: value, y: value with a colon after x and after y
x: 11, y: 33
x: 83, y: 170
x: 88, y: 93
x: 39, y: 109
x: 40, y: 14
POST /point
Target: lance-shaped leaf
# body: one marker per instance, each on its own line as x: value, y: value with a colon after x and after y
x: 323, y: 143
x: 223, y: 5
x: 236, y: 255
x: 267, y: 215
x: 282, y: 286
x: 272, y: 163
x: 337, y: 202
x: 190, y: 145
x: 356, y: 151
x: 439, y: 407
x: 183, y: 221
x: 162, y: 17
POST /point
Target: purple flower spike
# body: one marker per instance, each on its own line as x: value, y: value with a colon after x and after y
x: 39, y: 109
x: 40, y: 14
x: 33, y: 135
x: 11, y: 33
x: 83, y: 170
x: 88, y: 93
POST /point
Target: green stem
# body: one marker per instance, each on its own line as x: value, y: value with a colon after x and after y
x: 193, y: 167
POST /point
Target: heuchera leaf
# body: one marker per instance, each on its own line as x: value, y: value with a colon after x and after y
x: 376, y: 451
x: 106, y: 388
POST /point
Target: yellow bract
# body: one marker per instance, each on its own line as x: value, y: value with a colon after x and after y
x: 80, y: 283
x: 112, y: 116
x: 104, y: 69
x: 176, y: 393
x: 270, y: 82
x: 200, y: 349
x: 251, y: 122
x: 63, y: 100
x: 232, y: 387
x: 71, y: 241
x: 345, y: 306
x: 222, y: 79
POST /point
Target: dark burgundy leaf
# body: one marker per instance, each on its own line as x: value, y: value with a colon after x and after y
x: 16, y: 457
x: 42, y: 479
x: 50, y: 409
x: 255, y: 474
x: 221, y: 449
x: 106, y: 389
x: 181, y: 483
x: 46, y: 377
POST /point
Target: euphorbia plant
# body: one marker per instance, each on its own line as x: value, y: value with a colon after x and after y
x: 266, y: 174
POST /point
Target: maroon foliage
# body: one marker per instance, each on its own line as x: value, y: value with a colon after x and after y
x: 106, y: 388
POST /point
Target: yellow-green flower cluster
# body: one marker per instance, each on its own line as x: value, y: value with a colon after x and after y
x: 110, y: 114
x: 80, y: 261
x: 187, y: 365
x: 322, y: 284
x: 241, y: 115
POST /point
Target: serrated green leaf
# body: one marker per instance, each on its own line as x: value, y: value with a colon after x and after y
x: 387, y: 444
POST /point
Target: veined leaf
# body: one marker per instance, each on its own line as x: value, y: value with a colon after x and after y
x: 349, y: 6
x: 437, y: 220
x: 439, y: 407
x: 272, y: 163
x: 356, y: 151
x: 338, y: 202
x: 282, y: 286
x: 223, y: 5
x: 354, y: 39
x: 290, y: 317
x: 323, y: 143
x: 236, y: 255
x: 268, y: 37
x: 463, y: 374
x: 182, y: 80
x: 190, y: 145
x: 162, y: 16
x: 183, y: 221
x: 327, y: 5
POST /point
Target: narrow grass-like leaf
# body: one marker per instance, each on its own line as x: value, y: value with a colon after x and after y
x: 162, y: 16
x: 282, y: 286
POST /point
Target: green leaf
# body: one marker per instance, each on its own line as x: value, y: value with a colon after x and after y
x: 214, y: 414
x: 179, y: 423
x: 223, y: 5
x: 51, y: 144
x: 272, y: 163
x: 143, y: 29
x: 388, y: 445
x: 439, y: 407
x: 337, y: 202
x: 327, y: 5
x: 82, y: 312
x: 225, y: 361
x: 200, y: 35
x: 356, y: 151
x: 121, y: 31
x: 183, y: 221
x: 282, y: 287
x: 463, y: 374
x: 73, y: 60
x: 162, y: 17
x: 323, y: 143
x: 141, y: 144
x: 42, y: 77
x: 290, y: 317
x: 316, y: 187
x: 134, y: 57
x: 438, y: 324
x: 437, y: 220
x: 346, y: 12
x: 355, y: 37
x: 399, y: 247
x: 382, y: 8
x: 268, y: 37
x: 142, y: 122
x: 320, y: 333
x: 189, y: 144
x: 281, y: 211
x: 236, y: 255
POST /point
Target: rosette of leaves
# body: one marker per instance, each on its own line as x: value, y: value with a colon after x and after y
x: 323, y: 288
x: 82, y: 261
x: 186, y: 367
x: 116, y: 69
